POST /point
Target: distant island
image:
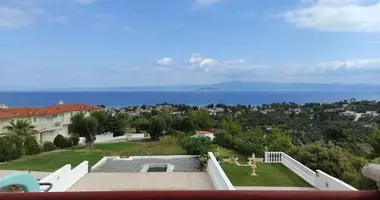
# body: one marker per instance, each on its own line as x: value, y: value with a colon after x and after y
x: 228, y: 86
x: 207, y: 89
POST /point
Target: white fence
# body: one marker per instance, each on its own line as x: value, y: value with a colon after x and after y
x: 65, y: 177
x: 318, y: 179
x: 110, y: 138
x: 217, y: 175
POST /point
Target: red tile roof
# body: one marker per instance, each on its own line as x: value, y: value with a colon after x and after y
x: 6, y: 113
x: 204, y: 132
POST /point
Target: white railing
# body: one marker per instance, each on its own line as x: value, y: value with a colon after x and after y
x: 318, y: 179
x: 218, y: 177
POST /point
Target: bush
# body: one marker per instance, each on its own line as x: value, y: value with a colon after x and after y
x: 245, y: 143
x: 74, y: 139
x: 61, y: 142
x: 198, y: 145
x: 17, y: 146
x: 31, y: 146
x: 48, y: 146
x: 10, y: 148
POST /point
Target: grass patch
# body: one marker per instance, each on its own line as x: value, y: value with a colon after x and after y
x: 232, y: 153
x: 267, y: 175
x: 51, y: 161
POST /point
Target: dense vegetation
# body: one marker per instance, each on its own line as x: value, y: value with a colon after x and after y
x: 338, y: 138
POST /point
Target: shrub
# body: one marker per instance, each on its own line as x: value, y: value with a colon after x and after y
x: 247, y: 143
x: 198, y: 145
x: 203, y: 159
x: 48, y: 146
x: 31, y: 146
x: 10, y: 148
x: 61, y: 142
x: 75, y: 139
x: 17, y: 146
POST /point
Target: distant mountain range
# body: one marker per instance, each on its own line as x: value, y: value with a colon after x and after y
x: 238, y: 86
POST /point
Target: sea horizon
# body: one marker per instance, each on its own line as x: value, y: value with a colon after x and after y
x: 193, y: 98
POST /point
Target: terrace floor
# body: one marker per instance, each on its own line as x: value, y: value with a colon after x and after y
x: 143, y: 181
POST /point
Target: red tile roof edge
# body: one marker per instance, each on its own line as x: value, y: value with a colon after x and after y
x: 204, y: 132
x: 6, y: 113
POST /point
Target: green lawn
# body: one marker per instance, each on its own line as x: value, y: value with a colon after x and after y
x: 227, y: 153
x: 54, y: 160
x: 267, y: 175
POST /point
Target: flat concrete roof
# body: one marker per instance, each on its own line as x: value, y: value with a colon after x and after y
x: 144, y: 181
x: 190, y: 164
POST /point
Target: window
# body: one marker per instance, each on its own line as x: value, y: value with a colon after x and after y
x: 71, y: 114
x: 34, y: 119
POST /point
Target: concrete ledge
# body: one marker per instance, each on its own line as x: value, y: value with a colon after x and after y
x: 100, y: 162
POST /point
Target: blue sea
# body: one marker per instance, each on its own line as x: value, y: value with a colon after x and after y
x: 199, y: 98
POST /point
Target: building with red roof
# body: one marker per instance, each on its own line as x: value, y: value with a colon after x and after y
x: 49, y: 121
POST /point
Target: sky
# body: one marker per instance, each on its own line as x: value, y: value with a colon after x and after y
x: 106, y: 43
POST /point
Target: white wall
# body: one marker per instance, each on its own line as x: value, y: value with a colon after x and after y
x: 211, y: 136
x: 217, y: 175
x: 66, y: 177
x: 56, y: 179
x: 324, y: 181
x: 298, y: 168
x: 318, y: 179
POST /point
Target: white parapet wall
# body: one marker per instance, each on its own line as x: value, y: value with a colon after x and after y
x: 318, y: 179
x: 65, y: 177
x: 324, y: 181
x: 217, y: 175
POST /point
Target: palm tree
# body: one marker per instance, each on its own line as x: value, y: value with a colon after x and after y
x: 20, y: 127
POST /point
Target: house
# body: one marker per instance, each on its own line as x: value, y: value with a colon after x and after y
x: 205, y: 134
x: 348, y: 113
x: 371, y: 113
x: 49, y: 121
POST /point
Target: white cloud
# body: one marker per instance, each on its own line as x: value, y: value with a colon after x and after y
x: 196, y: 60
x: 336, y: 15
x: 165, y: 61
x: 18, y: 17
x: 359, y: 64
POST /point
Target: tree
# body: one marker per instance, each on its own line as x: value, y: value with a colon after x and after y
x: 86, y: 127
x: 154, y: 112
x: 91, y: 127
x: 204, y: 120
x: 117, y: 124
x: 197, y: 145
x: 31, y: 146
x: 103, y: 118
x: 20, y: 127
x: 230, y: 125
x: 276, y: 140
x: 187, y: 125
x: 157, y: 127
x: 140, y: 124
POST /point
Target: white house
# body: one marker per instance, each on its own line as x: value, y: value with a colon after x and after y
x: 49, y: 121
x: 205, y: 134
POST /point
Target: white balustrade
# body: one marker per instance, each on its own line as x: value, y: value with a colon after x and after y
x: 273, y: 157
x: 319, y: 180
